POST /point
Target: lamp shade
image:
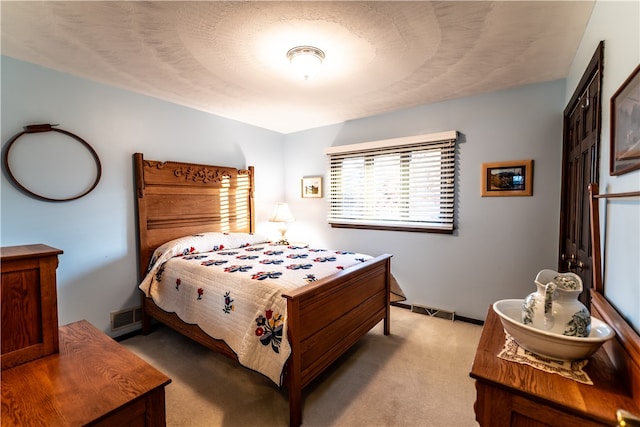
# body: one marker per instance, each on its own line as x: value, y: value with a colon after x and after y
x: 281, y: 213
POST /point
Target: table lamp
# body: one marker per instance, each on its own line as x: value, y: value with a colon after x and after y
x: 283, y: 215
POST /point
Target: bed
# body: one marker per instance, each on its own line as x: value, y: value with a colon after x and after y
x: 324, y: 318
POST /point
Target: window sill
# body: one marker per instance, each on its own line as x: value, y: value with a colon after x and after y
x: 393, y: 228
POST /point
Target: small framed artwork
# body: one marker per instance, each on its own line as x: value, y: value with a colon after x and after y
x: 312, y: 186
x: 507, y: 178
x: 624, y: 154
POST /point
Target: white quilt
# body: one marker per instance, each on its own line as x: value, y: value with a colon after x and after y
x: 231, y: 286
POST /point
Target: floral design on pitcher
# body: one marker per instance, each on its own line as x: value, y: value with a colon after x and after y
x: 579, y: 325
x: 549, y: 296
x: 567, y: 282
x: 555, y: 307
x: 528, y: 309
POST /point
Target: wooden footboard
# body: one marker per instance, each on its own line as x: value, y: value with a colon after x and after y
x: 327, y: 317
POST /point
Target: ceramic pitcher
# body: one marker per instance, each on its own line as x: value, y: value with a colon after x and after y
x: 555, y: 307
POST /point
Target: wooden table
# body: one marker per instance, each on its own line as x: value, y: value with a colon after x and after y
x: 513, y: 394
x: 93, y: 380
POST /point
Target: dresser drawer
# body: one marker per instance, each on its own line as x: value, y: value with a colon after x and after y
x: 29, y: 312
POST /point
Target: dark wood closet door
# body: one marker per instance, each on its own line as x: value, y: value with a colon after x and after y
x: 581, y: 154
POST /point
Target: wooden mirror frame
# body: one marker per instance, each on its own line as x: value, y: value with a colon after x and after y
x: 625, y: 349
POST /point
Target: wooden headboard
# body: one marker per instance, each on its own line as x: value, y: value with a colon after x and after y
x: 176, y: 199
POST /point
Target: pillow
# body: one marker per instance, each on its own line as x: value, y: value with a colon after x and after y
x: 204, y: 242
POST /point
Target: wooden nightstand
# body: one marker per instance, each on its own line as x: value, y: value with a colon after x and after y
x: 93, y: 380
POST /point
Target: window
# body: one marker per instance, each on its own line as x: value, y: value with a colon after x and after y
x: 400, y: 184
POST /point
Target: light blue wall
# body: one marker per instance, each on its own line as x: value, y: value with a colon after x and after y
x: 618, y: 24
x: 97, y: 272
x: 500, y: 242
x: 499, y: 246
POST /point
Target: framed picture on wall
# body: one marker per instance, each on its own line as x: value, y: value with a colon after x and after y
x: 311, y: 187
x: 625, y: 126
x: 513, y: 178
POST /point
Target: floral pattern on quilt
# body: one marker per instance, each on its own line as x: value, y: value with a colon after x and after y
x: 234, y: 292
x: 269, y: 329
x: 263, y: 275
x: 228, y: 303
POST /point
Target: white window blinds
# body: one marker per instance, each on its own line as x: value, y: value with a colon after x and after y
x: 405, y: 183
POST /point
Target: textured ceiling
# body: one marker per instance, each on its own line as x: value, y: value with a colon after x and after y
x: 229, y: 58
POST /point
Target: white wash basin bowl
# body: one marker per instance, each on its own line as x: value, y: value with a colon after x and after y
x: 550, y: 344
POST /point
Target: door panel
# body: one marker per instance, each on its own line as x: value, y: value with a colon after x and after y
x: 581, y: 153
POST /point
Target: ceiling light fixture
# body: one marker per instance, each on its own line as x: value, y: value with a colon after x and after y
x: 306, y: 60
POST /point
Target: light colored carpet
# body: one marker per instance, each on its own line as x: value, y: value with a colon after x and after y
x: 417, y: 376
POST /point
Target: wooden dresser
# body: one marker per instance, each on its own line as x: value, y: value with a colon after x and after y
x: 93, y: 380
x: 29, y: 303
x: 512, y: 394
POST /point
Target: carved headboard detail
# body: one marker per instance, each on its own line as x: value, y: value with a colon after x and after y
x: 176, y: 199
